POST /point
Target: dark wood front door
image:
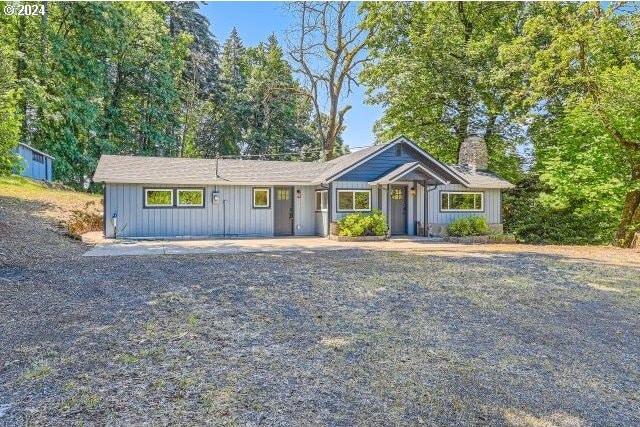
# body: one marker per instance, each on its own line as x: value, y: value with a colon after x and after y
x: 283, y: 211
x: 398, y: 210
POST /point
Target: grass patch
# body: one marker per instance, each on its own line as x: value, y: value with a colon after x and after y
x: 39, y: 370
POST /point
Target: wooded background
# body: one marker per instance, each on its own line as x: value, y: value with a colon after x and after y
x: 554, y: 88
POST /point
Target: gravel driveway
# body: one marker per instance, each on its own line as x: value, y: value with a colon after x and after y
x: 328, y: 338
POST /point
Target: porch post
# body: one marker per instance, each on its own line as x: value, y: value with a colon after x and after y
x: 388, y: 206
x: 425, y: 231
x: 415, y: 207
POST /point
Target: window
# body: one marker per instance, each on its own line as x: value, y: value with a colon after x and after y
x: 261, y: 199
x: 158, y: 197
x: 321, y: 200
x: 461, y: 201
x: 37, y: 157
x: 396, y: 194
x: 354, y: 200
x: 283, y: 195
x: 191, y: 197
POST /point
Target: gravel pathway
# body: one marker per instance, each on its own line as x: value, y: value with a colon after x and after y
x: 331, y: 338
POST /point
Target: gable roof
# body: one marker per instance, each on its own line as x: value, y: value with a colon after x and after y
x: 171, y: 170
x: 344, y: 166
x: 404, y: 170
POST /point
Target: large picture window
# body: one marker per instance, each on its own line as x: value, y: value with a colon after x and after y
x: 321, y: 200
x: 190, y: 197
x: 158, y: 197
x: 261, y: 198
x: 461, y: 201
x: 354, y: 200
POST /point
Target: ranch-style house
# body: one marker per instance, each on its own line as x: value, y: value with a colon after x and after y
x: 159, y: 197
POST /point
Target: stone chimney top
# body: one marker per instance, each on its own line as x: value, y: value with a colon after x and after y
x: 473, y: 153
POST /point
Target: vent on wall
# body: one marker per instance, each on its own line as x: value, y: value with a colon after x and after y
x: 398, y: 150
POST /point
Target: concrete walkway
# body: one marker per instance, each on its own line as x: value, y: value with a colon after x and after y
x: 110, y: 247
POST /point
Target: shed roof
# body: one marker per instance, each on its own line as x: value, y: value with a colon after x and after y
x: 481, y: 178
x: 36, y: 150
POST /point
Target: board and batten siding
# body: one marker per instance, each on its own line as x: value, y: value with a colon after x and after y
x: 350, y: 185
x: 232, y: 216
x: 33, y: 169
x: 304, y: 211
x: 492, y: 205
x: 382, y: 164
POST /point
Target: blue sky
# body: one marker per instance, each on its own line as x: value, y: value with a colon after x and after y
x: 255, y: 21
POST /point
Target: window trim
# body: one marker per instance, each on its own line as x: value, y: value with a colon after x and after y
x: 177, y: 198
x: 326, y: 200
x: 481, y: 193
x: 253, y: 197
x: 353, y: 209
x: 144, y: 198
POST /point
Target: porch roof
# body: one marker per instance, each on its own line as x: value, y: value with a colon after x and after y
x: 409, y: 172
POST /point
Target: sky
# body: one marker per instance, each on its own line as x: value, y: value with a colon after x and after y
x: 255, y: 22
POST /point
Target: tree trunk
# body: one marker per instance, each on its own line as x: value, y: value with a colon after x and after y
x: 630, y: 222
x: 629, y: 225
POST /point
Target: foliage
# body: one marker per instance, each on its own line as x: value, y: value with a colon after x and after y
x: 581, y: 61
x: 529, y: 215
x: 10, y: 119
x: 141, y: 78
x: 438, y: 72
x: 359, y: 224
x: 473, y: 226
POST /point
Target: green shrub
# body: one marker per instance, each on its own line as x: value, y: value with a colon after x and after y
x: 460, y: 228
x: 359, y: 224
x: 474, y: 226
x: 479, y: 226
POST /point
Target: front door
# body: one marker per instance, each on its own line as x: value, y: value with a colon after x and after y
x: 283, y: 211
x: 398, y: 211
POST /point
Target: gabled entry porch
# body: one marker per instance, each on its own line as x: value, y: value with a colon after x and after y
x: 402, y: 197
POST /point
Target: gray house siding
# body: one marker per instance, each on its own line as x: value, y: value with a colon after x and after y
x: 382, y: 164
x: 232, y: 216
x: 492, y: 208
x: 322, y: 223
x: 31, y: 167
x: 350, y: 185
x: 304, y: 211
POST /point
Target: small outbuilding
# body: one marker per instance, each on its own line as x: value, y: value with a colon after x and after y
x: 35, y: 163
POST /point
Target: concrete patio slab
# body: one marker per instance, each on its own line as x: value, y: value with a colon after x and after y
x: 111, y: 247
x: 597, y: 254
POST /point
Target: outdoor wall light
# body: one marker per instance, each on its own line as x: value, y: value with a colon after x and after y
x: 298, y: 194
x: 412, y: 191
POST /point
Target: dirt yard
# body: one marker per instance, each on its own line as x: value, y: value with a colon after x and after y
x: 540, y: 337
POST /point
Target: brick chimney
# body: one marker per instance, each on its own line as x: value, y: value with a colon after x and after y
x: 473, y: 153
